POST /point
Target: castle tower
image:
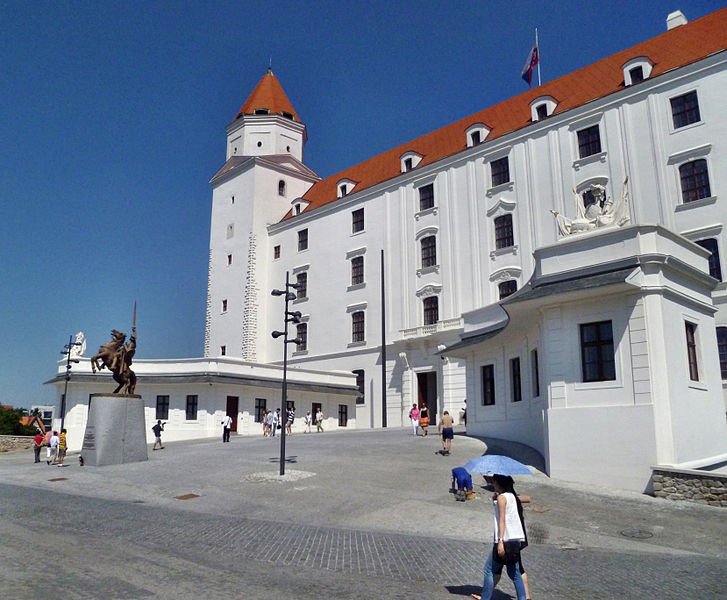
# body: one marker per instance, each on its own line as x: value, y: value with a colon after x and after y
x: 262, y: 176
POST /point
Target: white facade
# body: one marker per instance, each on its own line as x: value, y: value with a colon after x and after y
x: 458, y: 223
x: 193, y: 395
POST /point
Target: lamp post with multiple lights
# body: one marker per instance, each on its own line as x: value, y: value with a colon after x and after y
x: 290, y: 317
x: 67, y: 351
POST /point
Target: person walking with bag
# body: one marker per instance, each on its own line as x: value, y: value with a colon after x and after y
x: 509, y: 539
x: 226, y: 427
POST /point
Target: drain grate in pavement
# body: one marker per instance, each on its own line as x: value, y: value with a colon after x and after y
x: 187, y: 496
x: 637, y: 534
x: 59, y: 479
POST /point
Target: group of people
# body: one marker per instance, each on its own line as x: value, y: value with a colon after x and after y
x: 272, y: 422
x: 419, y: 416
x: 55, y: 445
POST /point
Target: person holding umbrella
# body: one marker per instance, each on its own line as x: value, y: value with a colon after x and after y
x: 509, y: 539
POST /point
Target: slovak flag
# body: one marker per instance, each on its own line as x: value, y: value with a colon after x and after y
x: 530, y: 64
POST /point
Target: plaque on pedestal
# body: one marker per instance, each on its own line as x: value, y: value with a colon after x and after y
x: 115, y: 430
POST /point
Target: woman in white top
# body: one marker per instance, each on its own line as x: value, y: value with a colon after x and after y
x: 508, y: 528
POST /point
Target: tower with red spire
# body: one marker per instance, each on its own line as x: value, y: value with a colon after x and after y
x: 263, y: 176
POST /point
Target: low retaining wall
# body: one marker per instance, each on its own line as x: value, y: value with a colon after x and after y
x: 10, y: 443
x: 702, y: 487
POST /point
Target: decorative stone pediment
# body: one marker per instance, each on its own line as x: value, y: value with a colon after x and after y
x: 500, y: 204
x: 431, y: 289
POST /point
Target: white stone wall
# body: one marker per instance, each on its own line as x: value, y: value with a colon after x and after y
x: 638, y: 141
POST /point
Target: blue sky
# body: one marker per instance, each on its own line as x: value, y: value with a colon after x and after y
x: 113, y: 115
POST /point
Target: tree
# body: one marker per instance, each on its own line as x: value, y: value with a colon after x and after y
x: 10, y: 422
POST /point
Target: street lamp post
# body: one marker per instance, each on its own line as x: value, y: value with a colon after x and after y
x: 290, y: 317
x: 67, y: 351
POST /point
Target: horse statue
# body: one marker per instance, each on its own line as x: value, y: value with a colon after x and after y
x: 108, y: 353
x: 116, y: 355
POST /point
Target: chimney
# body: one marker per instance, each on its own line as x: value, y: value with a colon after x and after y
x: 675, y: 19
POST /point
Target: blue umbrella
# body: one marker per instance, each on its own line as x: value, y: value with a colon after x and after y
x: 494, y: 464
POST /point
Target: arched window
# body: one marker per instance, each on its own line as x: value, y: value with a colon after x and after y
x: 507, y: 288
x: 281, y: 188
x: 429, y: 251
x: 694, y: 180
x: 504, y: 236
x: 431, y: 310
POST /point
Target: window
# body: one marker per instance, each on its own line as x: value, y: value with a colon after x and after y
x: 162, y: 411
x: 542, y: 111
x: 296, y: 209
x: 515, y: 389
x: 302, y: 240
x: 535, y: 372
x: 488, y: 385
x: 342, y: 415
x: 281, y: 188
x: 589, y: 141
x: 191, y: 410
x: 357, y: 326
x: 232, y: 198
x: 694, y: 180
x: 722, y: 350
x: 276, y: 252
x: 476, y: 137
x: 229, y: 259
x: 715, y: 270
x: 301, y: 332
x: 260, y: 407
x: 224, y: 306
x: 431, y: 310
x: 500, y: 171
x: 691, y: 331
x: 507, y: 288
x: 408, y: 166
x: 360, y: 384
x: 342, y: 190
x: 504, y: 237
x: 637, y: 75
x: 223, y: 350
x: 597, y: 356
x: 429, y: 251
x: 230, y: 231
x: 301, y: 280
x: 357, y: 220
x: 426, y: 197
x: 685, y: 110
x: 590, y: 196
x: 357, y: 270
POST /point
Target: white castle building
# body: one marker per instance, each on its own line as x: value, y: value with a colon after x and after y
x: 554, y: 260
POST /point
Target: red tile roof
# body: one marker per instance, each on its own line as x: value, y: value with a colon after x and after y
x: 268, y: 94
x: 672, y: 49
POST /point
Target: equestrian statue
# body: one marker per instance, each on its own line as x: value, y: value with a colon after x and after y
x: 116, y: 355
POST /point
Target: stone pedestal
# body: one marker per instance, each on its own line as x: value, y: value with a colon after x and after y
x: 115, y: 430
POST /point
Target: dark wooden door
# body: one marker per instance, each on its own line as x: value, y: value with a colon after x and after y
x: 233, y: 406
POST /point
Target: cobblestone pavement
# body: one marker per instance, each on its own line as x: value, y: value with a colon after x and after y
x: 359, y: 514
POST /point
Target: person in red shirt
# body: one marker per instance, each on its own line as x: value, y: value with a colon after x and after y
x: 37, y: 445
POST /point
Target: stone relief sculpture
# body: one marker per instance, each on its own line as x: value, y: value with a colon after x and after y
x: 116, y: 355
x: 603, y: 212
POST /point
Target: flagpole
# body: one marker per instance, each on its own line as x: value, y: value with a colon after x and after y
x: 538, y: 47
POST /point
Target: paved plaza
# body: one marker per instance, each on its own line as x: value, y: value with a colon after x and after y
x: 359, y: 514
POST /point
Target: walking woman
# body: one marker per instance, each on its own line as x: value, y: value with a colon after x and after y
x: 509, y: 538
